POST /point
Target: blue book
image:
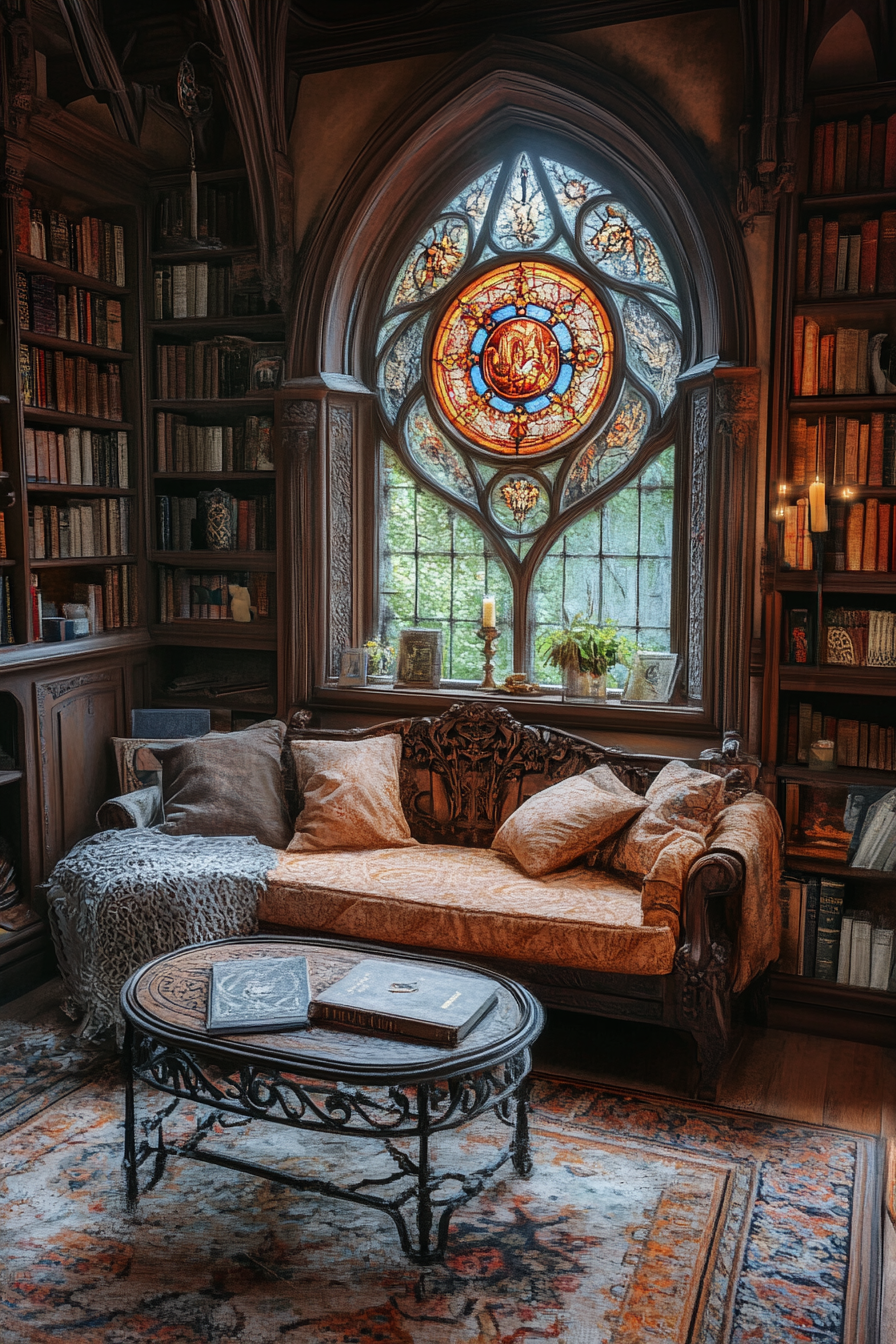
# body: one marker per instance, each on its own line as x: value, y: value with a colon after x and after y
x: 412, y: 1000
x: 830, y: 917
x: 253, y: 994
x: 810, y: 931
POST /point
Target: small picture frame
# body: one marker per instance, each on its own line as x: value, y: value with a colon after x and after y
x: 419, y: 659
x: 651, y: 678
x: 267, y: 366
x: 353, y: 667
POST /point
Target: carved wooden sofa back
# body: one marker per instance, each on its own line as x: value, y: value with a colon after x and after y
x: 464, y: 772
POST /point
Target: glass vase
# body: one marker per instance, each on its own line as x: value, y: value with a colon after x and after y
x: 584, y: 688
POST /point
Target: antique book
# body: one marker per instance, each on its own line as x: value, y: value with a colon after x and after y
x: 881, y: 956
x: 884, y: 528
x: 406, y: 999
x: 814, y: 244
x: 855, y: 532
x: 876, y: 449
x: 830, y: 914
x: 804, y: 735
x: 869, y: 547
x: 799, y: 326
x: 827, y: 171
x: 842, y: 258
x: 829, y: 252
x: 798, y: 449
x: 840, y: 142
x: 801, y: 255
x: 826, y: 366
x: 809, y: 385
x: 800, y: 643
x: 886, y: 253
x: 868, y: 263
x: 860, y: 949
x: 845, y: 949
x: 864, y: 165
x: 420, y: 658
x: 851, y: 453
x: 854, y: 264
x: 790, y: 895
x: 878, y: 153
x: 810, y: 927
x: 890, y: 153
x: 852, y: 155
x: 258, y: 994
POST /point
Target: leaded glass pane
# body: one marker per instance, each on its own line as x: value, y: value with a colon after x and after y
x: 435, y: 457
x: 618, y: 243
x: 400, y: 368
x: 520, y: 504
x: 474, y: 199
x: 654, y: 345
x: 611, y: 450
x: 431, y: 262
x: 524, y: 217
x: 436, y: 567
x: 571, y: 188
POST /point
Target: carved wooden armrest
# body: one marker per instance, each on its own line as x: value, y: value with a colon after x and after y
x: 719, y: 873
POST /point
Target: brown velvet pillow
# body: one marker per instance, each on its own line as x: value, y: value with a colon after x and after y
x: 351, y: 793
x: 681, y: 801
x: 227, y: 784
x: 555, y: 827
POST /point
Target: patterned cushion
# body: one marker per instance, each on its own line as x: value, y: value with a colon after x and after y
x: 227, y: 784
x: 689, y: 798
x: 470, y: 901
x: 351, y: 795
x: 555, y: 827
x: 138, y: 765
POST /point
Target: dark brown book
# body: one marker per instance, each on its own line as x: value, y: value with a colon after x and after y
x: 868, y: 262
x: 848, y: 743
x: 864, y: 164
x: 809, y: 385
x: 886, y: 253
x: 799, y: 328
x: 884, y: 525
x: 855, y: 535
x: 826, y: 366
x: 817, y: 178
x: 869, y: 536
x: 798, y: 450
x: 876, y: 449
x: 801, y: 257
x: 815, y: 229
x: 878, y: 150
x: 852, y: 156
x: 830, y: 243
x: 890, y: 152
x: 840, y: 134
x: 827, y: 171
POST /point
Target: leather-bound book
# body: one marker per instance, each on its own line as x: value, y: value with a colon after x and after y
x: 886, y: 253
x: 848, y: 743
x: 852, y: 155
x: 811, y: 453
x: 837, y: 555
x: 868, y: 263
x: 817, y: 176
x: 855, y: 533
x: 405, y: 999
x: 799, y: 328
x: 827, y: 171
x: 890, y: 153
x: 876, y: 449
x: 863, y: 746
x: 842, y: 260
x: 826, y: 366
x: 851, y: 457
x: 864, y: 435
x: 840, y: 139
x: 829, y: 247
x: 884, y: 525
x: 809, y: 385
x: 869, y: 543
x: 878, y: 151
x: 814, y: 245
x: 844, y: 361
x: 790, y: 531
x: 874, y: 746
x: 864, y: 165
x: 853, y: 264
x: 860, y: 384
x: 802, y: 249
x: 798, y: 449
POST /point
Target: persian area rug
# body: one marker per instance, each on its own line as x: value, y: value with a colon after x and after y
x: 647, y: 1221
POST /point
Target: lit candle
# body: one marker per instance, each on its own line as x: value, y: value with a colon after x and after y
x: 488, y: 612
x: 818, y: 514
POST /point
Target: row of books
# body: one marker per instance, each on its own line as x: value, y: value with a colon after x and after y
x: 181, y: 446
x: 77, y: 457
x: 822, y: 940
x: 75, y: 384
x: 110, y: 605
x: 92, y: 246
x: 850, y: 156
x: 838, y: 257
x: 227, y: 366
x: 859, y: 638
x: 75, y: 314
x: 843, y: 450
x: 210, y: 597
x: 862, y: 537
x: 77, y: 529
x: 196, y: 289
x: 3, y: 551
x: 845, y: 362
x: 181, y: 522
x: 7, y: 626
x: 224, y: 217
x: 858, y: 745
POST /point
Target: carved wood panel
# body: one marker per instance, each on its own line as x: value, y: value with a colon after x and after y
x: 76, y: 717
x: 340, y: 533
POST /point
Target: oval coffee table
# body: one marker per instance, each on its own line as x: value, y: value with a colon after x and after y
x: 333, y: 1081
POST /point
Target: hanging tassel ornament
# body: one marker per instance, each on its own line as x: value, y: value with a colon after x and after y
x: 193, y: 99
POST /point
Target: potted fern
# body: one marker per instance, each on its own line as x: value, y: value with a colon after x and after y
x: 584, y: 651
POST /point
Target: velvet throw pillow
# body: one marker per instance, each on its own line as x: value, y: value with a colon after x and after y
x: 681, y: 802
x: 227, y: 784
x: 555, y: 827
x: 352, y: 797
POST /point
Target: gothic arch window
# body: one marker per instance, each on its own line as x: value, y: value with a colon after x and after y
x: 526, y: 363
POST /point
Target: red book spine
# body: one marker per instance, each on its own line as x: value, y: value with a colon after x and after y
x: 813, y: 263
x: 890, y: 152
x: 876, y: 449
x: 864, y: 165
x: 886, y: 253
x: 878, y: 150
x: 884, y: 521
x: 830, y: 242
x: 868, y: 263
x: 827, y: 172
x: 799, y: 324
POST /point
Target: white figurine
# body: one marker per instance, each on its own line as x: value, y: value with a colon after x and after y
x: 240, y: 609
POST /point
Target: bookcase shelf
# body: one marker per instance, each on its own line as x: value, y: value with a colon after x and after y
x: 66, y: 561
x: 811, y: 405
x: 187, y: 255
x: 226, y: 560
x: 40, y: 415
x: 54, y: 488
x: 257, y: 476
x: 225, y: 634
x: 839, y: 306
x: 258, y: 400
x: 846, y: 581
x: 7, y: 562
x: 98, y: 352
x: 853, y: 200
x: 842, y: 680
x: 801, y: 774
x: 231, y: 326
x: 25, y: 262
x: 804, y: 858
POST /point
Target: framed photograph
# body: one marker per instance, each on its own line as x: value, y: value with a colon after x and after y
x: 651, y: 678
x: 267, y: 366
x: 420, y: 659
x: 353, y: 667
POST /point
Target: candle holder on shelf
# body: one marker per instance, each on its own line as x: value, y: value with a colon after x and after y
x: 490, y: 634
x: 818, y: 527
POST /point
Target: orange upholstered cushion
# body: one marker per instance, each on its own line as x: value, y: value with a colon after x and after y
x: 351, y: 795
x: 555, y: 827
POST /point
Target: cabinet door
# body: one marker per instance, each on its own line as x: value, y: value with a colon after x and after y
x: 76, y: 719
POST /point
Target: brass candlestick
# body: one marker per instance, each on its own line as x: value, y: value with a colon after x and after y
x: 490, y: 634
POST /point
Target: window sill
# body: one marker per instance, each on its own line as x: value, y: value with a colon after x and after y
x: 551, y: 710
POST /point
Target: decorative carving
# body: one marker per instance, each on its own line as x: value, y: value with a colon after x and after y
x: 299, y: 431
x: 18, y: 96
x: 99, y: 68
x: 340, y: 533
x: 697, y: 567
x: 775, y: 57
x: 47, y: 693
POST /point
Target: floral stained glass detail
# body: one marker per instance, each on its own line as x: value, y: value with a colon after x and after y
x: 475, y: 198
x: 522, y: 358
x: 618, y: 243
x: 400, y: 368
x: 610, y: 450
x: 571, y: 188
x: 520, y: 504
x: 431, y: 262
x: 654, y: 345
x: 435, y: 457
x: 524, y: 217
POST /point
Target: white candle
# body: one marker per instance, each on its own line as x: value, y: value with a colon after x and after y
x: 488, y: 612
x: 818, y: 514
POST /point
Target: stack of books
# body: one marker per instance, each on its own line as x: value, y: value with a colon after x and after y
x: 184, y: 447
x: 858, y: 744
x: 77, y: 457
x: 839, y: 257
x: 822, y: 940
x: 851, y: 156
x: 68, y: 311
x: 843, y: 450
x: 92, y: 246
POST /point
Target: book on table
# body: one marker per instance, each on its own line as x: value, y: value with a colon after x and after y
x: 405, y: 999
x: 255, y: 994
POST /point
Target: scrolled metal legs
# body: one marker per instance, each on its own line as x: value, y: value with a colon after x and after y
x: 130, y: 1146
x: 521, y: 1152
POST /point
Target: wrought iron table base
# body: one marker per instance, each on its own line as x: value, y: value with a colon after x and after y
x: 418, y: 1111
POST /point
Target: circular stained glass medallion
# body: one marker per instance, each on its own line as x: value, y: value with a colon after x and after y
x: 522, y: 358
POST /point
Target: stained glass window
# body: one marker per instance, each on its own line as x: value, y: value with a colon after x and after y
x: 527, y: 365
